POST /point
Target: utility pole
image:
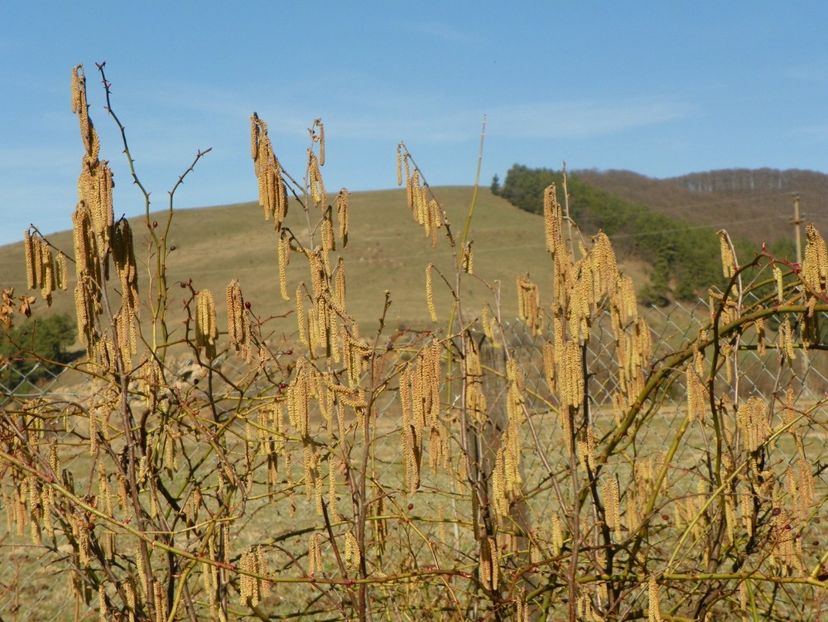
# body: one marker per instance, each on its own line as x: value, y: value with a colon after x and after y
x: 797, y: 232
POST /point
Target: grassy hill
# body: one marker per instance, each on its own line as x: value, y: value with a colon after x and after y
x: 387, y: 250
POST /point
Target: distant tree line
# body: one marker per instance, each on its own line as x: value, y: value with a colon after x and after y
x: 685, y: 258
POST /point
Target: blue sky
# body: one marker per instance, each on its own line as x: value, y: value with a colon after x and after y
x: 662, y: 88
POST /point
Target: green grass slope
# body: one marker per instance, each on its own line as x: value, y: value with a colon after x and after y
x: 387, y: 250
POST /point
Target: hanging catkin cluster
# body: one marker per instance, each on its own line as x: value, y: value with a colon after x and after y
x: 529, y: 308
x: 561, y: 256
x: 123, y: 257
x: 322, y: 328
x: 92, y: 220
x: 815, y: 263
x: 206, y: 326
x: 251, y: 588
x: 238, y: 328
x: 475, y: 396
x: 43, y: 271
x: 426, y: 211
x: 587, y: 282
x: 489, y: 564
x: 420, y: 404
x: 603, y: 267
x: 272, y: 189
x: 752, y: 421
x: 579, y: 288
x: 95, y: 181
x: 316, y: 184
x: 506, y: 479
x: 633, y: 342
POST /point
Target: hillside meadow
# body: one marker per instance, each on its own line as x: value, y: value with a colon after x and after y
x: 385, y: 252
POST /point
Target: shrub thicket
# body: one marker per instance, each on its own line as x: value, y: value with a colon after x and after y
x: 683, y: 257
x: 443, y: 473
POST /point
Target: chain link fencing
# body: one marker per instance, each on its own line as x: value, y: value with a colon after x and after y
x: 758, y: 373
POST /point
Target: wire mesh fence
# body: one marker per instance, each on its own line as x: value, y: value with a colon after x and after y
x: 760, y: 372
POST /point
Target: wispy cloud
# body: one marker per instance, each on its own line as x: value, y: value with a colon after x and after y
x: 35, y: 160
x: 812, y: 133
x: 544, y: 120
x: 816, y: 71
x: 583, y: 119
x: 439, y: 30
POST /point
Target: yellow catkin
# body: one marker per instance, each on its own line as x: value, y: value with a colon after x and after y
x: 410, y: 181
x: 272, y: 188
x: 206, y: 325
x: 653, y: 607
x: 399, y: 165
x: 435, y: 214
x: 352, y: 553
x: 123, y: 255
x: 603, y: 267
x: 759, y: 326
x: 780, y: 283
x: 315, y: 182
x: 301, y: 320
x: 327, y: 231
x: 342, y: 201
x: 262, y: 569
x: 249, y: 591
x: 728, y: 258
x: 570, y: 374
x: 340, y: 286
x: 751, y: 418
x: 429, y: 293
x: 814, y: 271
x: 81, y: 108
x: 805, y: 491
x: 320, y: 137
x: 495, y: 560
x: 28, y: 248
x: 557, y: 533
x: 283, y: 256
x: 314, y: 555
x: 160, y: 601
x: 784, y: 339
x: 236, y: 320
x: 103, y: 613
x: 552, y: 219
x: 529, y: 304
x: 468, y: 258
x: 612, y: 503
x: 48, y: 281
x: 62, y: 273
x: 410, y: 445
x: 37, y: 259
x: 696, y: 393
